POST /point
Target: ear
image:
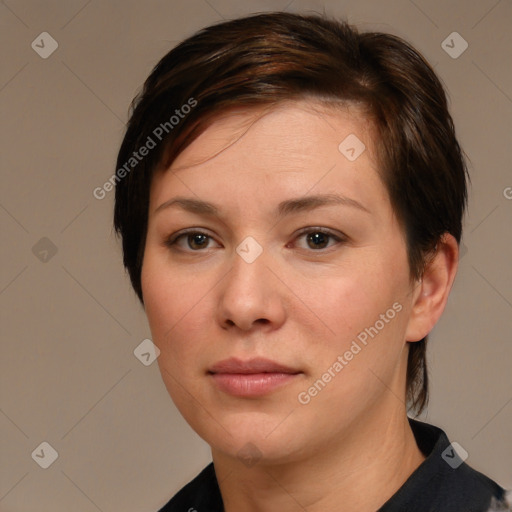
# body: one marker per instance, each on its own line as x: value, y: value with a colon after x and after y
x: 431, y: 292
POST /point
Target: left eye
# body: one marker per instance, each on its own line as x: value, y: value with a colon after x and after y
x: 195, y: 240
x: 319, y: 239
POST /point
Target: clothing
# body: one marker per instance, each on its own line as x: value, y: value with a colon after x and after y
x: 442, y: 483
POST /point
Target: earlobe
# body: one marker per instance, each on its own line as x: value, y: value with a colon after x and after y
x: 431, y: 293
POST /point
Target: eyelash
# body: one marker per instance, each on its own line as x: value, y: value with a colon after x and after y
x: 171, y: 242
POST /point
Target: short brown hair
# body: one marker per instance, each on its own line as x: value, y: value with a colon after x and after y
x: 265, y: 59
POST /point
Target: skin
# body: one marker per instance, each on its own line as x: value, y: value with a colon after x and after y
x: 295, y: 304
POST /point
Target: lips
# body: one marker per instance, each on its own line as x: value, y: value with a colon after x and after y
x: 256, y: 365
x: 252, y: 378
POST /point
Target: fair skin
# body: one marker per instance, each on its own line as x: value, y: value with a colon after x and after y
x: 301, y: 303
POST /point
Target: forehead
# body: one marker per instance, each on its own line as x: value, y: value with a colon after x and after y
x: 289, y: 149
x: 286, y: 130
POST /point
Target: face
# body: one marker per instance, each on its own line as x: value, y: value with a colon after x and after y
x: 276, y: 283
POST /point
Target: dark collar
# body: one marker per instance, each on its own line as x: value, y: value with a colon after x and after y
x: 443, y: 482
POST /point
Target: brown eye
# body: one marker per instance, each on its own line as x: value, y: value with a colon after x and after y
x: 197, y: 240
x: 317, y: 240
x: 191, y: 241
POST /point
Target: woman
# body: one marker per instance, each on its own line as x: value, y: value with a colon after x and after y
x: 290, y: 195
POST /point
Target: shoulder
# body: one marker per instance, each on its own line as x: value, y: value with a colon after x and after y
x: 202, y: 494
x: 444, y: 482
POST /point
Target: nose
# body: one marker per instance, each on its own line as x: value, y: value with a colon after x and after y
x: 251, y: 296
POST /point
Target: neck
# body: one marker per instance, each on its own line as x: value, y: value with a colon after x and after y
x: 359, y: 471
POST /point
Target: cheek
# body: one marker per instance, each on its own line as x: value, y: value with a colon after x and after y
x: 353, y: 367
x: 352, y: 298
x: 364, y: 307
x: 179, y: 305
x: 169, y: 304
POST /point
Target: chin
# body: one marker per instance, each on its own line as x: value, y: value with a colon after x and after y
x: 251, y: 450
x: 269, y: 441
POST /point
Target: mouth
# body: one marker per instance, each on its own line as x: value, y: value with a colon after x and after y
x: 253, y: 378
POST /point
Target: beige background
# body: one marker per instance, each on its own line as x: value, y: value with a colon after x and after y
x: 70, y: 324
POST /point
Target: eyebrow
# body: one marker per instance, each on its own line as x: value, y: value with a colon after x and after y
x: 284, y: 208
